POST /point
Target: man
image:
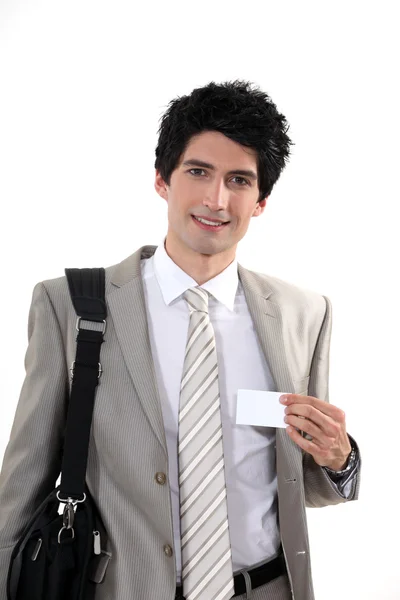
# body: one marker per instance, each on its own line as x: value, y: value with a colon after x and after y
x: 187, y: 327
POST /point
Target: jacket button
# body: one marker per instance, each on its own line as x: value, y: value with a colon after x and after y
x: 161, y: 478
x: 168, y: 550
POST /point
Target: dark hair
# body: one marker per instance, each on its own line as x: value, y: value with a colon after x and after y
x: 245, y: 115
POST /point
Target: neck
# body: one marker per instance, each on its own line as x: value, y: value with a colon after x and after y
x: 200, y: 267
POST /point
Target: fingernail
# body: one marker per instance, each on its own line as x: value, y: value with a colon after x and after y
x: 283, y: 399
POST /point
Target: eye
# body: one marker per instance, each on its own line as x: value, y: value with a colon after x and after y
x: 245, y: 182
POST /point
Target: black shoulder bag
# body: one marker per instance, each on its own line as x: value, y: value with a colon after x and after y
x: 59, y: 555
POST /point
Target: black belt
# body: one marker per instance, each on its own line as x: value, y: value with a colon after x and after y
x: 258, y: 576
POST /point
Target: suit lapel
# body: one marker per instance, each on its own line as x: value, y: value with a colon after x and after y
x: 267, y: 318
x: 127, y: 308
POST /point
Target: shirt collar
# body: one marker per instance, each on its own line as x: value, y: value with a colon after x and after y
x: 173, y: 281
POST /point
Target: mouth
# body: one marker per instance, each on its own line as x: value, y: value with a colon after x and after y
x: 216, y: 227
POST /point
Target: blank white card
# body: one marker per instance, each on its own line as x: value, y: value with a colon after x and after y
x: 258, y: 407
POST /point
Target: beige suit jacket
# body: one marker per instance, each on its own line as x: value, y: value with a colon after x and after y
x: 128, y: 446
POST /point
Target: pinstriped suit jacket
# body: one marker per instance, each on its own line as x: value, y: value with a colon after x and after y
x: 128, y: 445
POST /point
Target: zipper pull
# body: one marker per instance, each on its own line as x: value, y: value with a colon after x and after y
x: 97, y: 543
x: 37, y: 549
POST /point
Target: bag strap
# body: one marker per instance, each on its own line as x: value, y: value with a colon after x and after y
x: 87, y: 290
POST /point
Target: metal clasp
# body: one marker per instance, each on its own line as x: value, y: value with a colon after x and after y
x: 70, y: 500
x: 68, y: 515
x: 68, y: 519
x: 68, y: 529
x: 72, y: 368
x: 80, y: 318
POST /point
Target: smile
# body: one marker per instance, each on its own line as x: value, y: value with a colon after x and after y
x: 209, y: 227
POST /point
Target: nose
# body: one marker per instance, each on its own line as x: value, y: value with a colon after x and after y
x: 217, y: 196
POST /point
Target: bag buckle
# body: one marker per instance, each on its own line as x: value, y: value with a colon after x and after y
x: 72, y: 369
x: 79, y: 320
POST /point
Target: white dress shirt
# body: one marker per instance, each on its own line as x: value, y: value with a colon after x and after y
x: 249, y: 451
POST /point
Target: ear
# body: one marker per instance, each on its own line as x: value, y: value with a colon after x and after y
x: 160, y: 186
x: 259, y: 209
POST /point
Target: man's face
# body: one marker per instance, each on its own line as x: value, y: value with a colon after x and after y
x: 218, y: 192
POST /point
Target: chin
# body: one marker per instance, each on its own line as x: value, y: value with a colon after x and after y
x: 210, y: 248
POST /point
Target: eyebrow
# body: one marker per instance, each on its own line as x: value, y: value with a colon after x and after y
x: 194, y: 162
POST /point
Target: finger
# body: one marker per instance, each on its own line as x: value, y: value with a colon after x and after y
x: 319, y: 437
x: 325, y: 407
x: 307, y: 445
x: 328, y: 426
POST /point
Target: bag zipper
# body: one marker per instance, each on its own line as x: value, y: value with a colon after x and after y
x: 37, y: 549
x: 97, y: 542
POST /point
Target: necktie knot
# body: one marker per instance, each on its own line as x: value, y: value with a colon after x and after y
x: 197, y: 299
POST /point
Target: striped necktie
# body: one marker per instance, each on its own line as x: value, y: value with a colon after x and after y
x: 207, y: 572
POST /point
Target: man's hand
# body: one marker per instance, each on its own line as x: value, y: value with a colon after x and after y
x: 325, y: 423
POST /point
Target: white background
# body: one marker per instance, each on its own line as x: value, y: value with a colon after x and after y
x: 82, y: 87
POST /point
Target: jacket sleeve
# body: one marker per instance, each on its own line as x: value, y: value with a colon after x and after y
x: 320, y: 490
x: 31, y: 463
